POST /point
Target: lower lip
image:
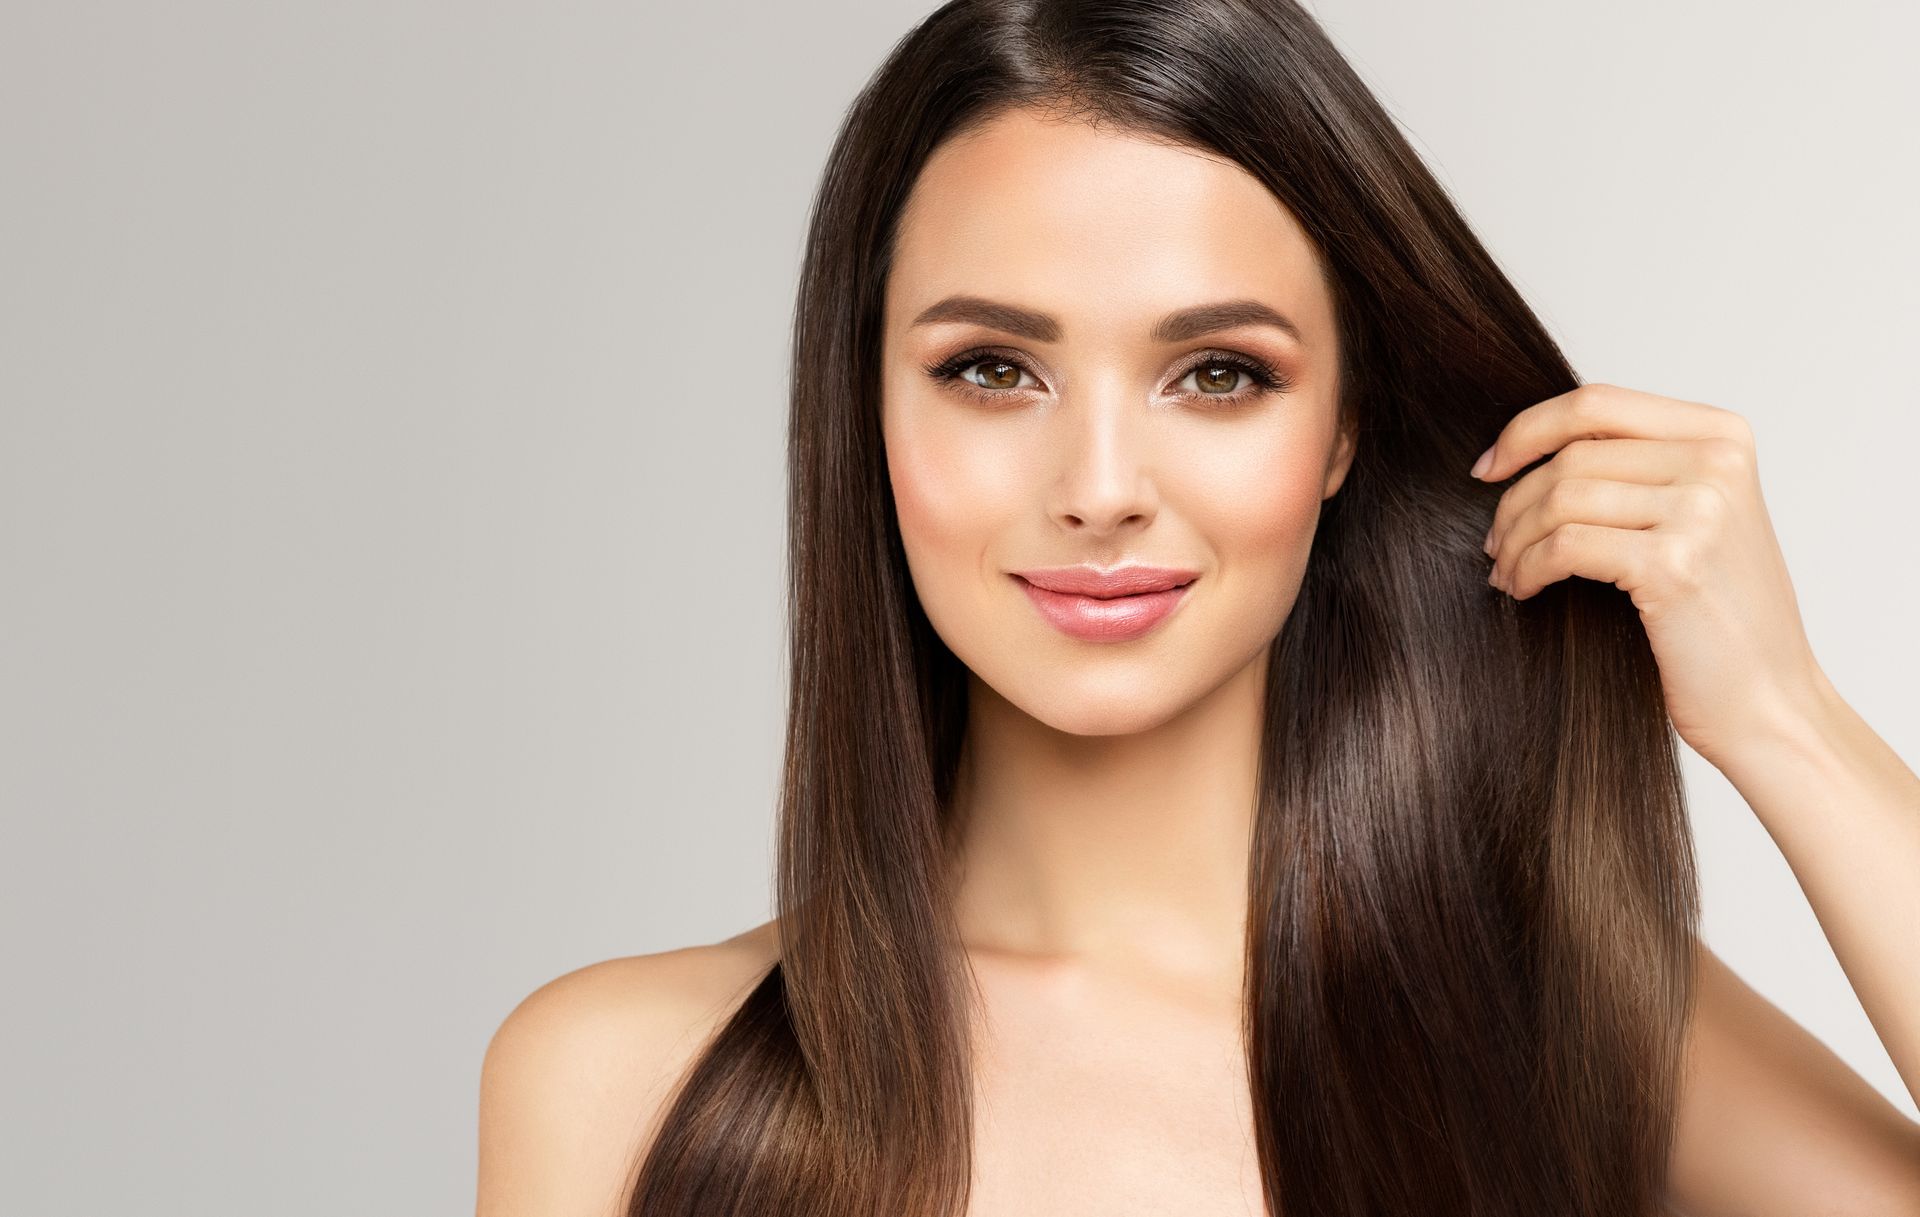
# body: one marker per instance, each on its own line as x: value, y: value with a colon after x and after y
x: 1095, y: 620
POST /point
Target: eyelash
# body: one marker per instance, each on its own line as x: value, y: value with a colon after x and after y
x: 1266, y: 379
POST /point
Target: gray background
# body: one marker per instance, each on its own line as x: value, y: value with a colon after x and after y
x: 391, y: 502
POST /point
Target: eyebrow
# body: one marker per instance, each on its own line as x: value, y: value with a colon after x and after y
x: 1177, y: 326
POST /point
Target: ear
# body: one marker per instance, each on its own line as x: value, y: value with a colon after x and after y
x: 1339, y: 461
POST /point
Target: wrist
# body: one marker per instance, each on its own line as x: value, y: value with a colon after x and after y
x: 1796, y: 722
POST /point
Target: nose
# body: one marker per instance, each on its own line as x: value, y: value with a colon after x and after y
x: 1104, y: 483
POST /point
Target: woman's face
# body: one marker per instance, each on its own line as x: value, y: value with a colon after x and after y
x: 1049, y: 402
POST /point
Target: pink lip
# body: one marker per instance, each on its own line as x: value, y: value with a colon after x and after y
x: 1105, y: 606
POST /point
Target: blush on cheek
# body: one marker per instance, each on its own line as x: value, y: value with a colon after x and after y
x: 949, y: 485
x: 927, y: 494
x: 1274, y: 501
x: 1261, y: 530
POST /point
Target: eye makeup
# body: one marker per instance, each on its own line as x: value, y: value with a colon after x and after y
x: 1264, y: 379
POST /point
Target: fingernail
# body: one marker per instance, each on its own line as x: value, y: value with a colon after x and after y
x: 1484, y: 463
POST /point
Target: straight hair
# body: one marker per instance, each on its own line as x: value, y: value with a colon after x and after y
x: 1472, y: 887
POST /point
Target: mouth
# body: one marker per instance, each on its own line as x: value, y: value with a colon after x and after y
x: 1151, y: 591
x: 1115, y: 607
x: 1098, y: 584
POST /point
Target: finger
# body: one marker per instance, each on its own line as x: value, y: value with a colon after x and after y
x: 1621, y: 556
x: 1597, y: 411
x: 1648, y: 461
x: 1590, y: 501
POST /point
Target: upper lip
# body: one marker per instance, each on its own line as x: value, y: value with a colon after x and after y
x: 1086, y: 580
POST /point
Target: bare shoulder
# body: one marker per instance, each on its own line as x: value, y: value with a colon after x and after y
x: 1771, y: 1122
x: 575, y: 1078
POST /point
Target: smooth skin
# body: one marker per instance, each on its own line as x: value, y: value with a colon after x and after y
x: 1108, y: 787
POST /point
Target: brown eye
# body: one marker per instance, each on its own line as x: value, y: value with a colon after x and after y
x: 1216, y: 378
x: 1216, y: 375
x: 998, y: 374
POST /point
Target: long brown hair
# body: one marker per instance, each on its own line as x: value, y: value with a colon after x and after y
x: 1473, y: 896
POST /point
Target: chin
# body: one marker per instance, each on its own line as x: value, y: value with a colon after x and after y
x: 1094, y: 708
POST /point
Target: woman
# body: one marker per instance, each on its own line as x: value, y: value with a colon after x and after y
x: 1203, y: 794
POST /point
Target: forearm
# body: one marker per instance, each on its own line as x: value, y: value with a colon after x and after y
x: 1845, y: 811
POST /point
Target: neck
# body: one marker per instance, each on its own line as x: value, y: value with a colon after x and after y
x: 1127, y: 851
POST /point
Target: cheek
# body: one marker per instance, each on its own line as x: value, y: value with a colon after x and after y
x: 1258, y: 511
x: 1266, y: 495
x: 954, y: 487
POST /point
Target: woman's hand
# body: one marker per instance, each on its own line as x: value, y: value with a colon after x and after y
x: 1661, y: 497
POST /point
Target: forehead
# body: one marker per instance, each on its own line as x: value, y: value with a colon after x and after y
x: 1100, y: 226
